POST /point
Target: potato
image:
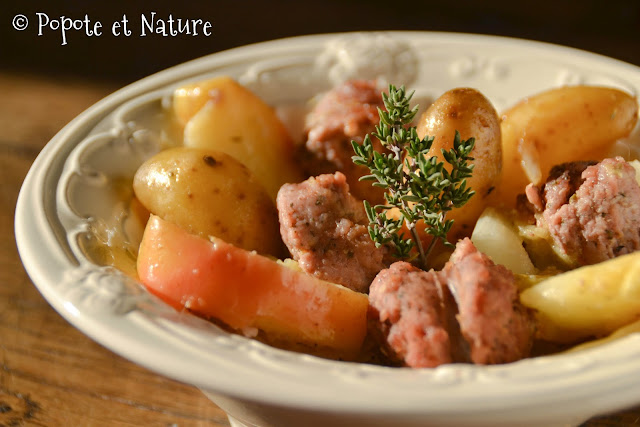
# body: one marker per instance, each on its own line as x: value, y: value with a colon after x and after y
x: 636, y: 166
x: 248, y: 291
x: 543, y: 250
x: 619, y: 333
x: 222, y: 115
x: 496, y: 236
x: 211, y: 194
x: 591, y: 301
x: 470, y: 113
x: 560, y: 125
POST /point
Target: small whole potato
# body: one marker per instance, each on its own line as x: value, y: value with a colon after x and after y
x: 209, y: 193
x: 470, y: 113
x: 560, y: 125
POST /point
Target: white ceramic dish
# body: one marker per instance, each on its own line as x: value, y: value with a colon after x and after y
x: 258, y: 385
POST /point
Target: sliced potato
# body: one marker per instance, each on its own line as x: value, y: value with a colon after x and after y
x: 211, y: 194
x: 220, y: 114
x: 560, y: 125
x: 496, y: 236
x: 636, y: 166
x: 543, y: 250
x: 619, y: 333
x: 470, y: 113
x: 591, y: 301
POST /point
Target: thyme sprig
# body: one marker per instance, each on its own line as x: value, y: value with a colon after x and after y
x: 420, y: 186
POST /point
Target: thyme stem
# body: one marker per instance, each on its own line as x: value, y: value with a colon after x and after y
x: 422, y: 255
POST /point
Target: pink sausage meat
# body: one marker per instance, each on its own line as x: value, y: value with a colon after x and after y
x: 347, y: 112
x: 496, y: 326
x: 592, y: 211
x: 325, y: 229
x: 407, y: 305
x: 413, y: 313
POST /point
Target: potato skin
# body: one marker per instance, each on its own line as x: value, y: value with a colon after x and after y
x: 469, y: 112
x: 560, y: 125
x: 209, y: 193
x: 220, y: 114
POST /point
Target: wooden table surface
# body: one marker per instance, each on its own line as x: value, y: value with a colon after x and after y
x: 50, y: 373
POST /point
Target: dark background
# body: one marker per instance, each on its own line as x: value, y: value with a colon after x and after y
x: 609, y: 27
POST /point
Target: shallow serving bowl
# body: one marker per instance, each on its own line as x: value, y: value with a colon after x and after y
x: 71, y: 187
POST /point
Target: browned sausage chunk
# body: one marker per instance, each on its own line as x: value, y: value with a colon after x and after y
x: 347, y: 112
x: 325, y: 229
x: 407, y: 313
x: 496, y: 326
x: 592, y: 211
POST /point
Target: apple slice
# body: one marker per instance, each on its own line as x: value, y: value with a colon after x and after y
x: 244, y: 290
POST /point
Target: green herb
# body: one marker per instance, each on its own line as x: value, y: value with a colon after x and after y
x: 420, y: 186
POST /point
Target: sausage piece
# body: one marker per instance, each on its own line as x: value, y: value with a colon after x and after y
x: 592, y: 211
x: 496, y: 326
x: 407, y: 314
x: 468, y: 312
x: 325, y: 229
x: 347, y: 112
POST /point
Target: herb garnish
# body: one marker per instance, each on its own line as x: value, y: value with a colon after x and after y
x: 420, y: 187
